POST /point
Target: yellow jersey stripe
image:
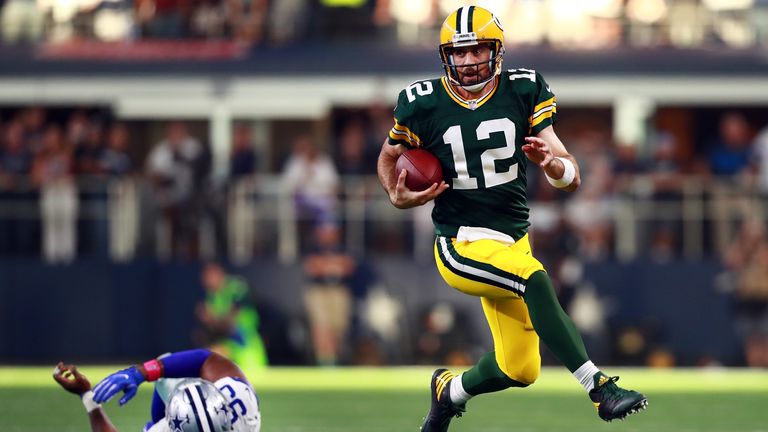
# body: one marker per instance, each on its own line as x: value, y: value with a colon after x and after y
x: 399, y: 129
x: 542, y: 117
x: 397, y: 132
x: 552, y: 107
x: 402, y: 128
x: 398, y: 136
x: 546, y: 103
x: 541, y: 112
x: 402, y: 137
x: 455, y: 98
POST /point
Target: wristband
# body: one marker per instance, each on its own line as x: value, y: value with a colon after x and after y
x: 154, y: 370
x: 87, y: 399
x: 569, y: 174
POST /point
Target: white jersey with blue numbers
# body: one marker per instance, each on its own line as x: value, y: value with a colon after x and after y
x: 241, y: 398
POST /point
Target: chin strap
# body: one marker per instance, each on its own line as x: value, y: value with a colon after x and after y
x: 478, y: 86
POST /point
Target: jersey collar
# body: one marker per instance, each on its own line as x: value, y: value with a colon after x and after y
x: 471, y: 104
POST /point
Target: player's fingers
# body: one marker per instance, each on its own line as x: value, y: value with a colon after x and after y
x: 541, y: 147
x: 530, y: 151
x: 60, y: 379
x: 130, y: 392
x: 533, y: 140
x: 65, y: 371
x: 547, y: 159
x: 112, y: 390
x: 436, y: 189
x: 534, y: 155
x: 106, y: 394
x: 102, y: 391
x: 536, y: 146
x: 71, y: 369
x: 76, y: 372
x: 98, y: 391
x: 99, y: 387
x: 442, y: 188
x: 426, y: 194
x: 401, y: 180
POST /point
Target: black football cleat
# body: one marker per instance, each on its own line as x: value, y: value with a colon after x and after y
x: 442, y: 410
x: 613, y: 402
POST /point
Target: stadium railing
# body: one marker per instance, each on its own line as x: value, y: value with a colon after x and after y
x: 260, y: 219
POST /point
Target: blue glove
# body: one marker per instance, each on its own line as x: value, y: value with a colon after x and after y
x: 126, y: 380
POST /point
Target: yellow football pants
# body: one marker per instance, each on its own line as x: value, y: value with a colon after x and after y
x: 497, y: 273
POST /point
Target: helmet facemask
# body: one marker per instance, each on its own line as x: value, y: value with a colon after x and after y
x: 452, y: 71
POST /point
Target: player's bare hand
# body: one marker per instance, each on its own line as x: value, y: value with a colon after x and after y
x: 403, y: 198
x: 538, y: 151
x: 71, y: 379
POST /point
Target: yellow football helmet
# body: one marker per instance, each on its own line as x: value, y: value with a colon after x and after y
x: 468, y: 26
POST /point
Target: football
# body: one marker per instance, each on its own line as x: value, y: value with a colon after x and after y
x: 422, y: 167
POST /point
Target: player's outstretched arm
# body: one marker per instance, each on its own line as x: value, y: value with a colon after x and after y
x: 547, y: 151
x: 394, y: 182
x: 71, y: 380
x: 196, y: 363
x: 216, y: 367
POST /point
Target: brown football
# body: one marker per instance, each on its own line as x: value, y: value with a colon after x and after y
x: 422, y: 167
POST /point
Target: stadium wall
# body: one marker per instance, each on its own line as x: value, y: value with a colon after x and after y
x: 131, y: 311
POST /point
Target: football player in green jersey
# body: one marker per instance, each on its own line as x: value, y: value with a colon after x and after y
x: 484, y: 124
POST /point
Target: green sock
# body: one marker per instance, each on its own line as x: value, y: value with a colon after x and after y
x: 552, y: 324
x: 486, y: 377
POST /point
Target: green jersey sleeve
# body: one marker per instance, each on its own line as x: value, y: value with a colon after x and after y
x: 544, y: 104
x: 406, y: 128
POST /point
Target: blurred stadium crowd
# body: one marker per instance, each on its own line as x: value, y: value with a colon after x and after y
x: 564, y: 23
x: 58, y: 163
x: 78, y: 183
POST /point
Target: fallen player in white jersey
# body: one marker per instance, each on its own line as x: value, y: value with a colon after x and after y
x: 195, y: 391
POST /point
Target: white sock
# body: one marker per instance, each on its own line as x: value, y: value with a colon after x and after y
x: 458, y: 394
x: 585, y: 374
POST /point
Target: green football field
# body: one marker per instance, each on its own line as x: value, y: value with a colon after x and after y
x: 395, y: 399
